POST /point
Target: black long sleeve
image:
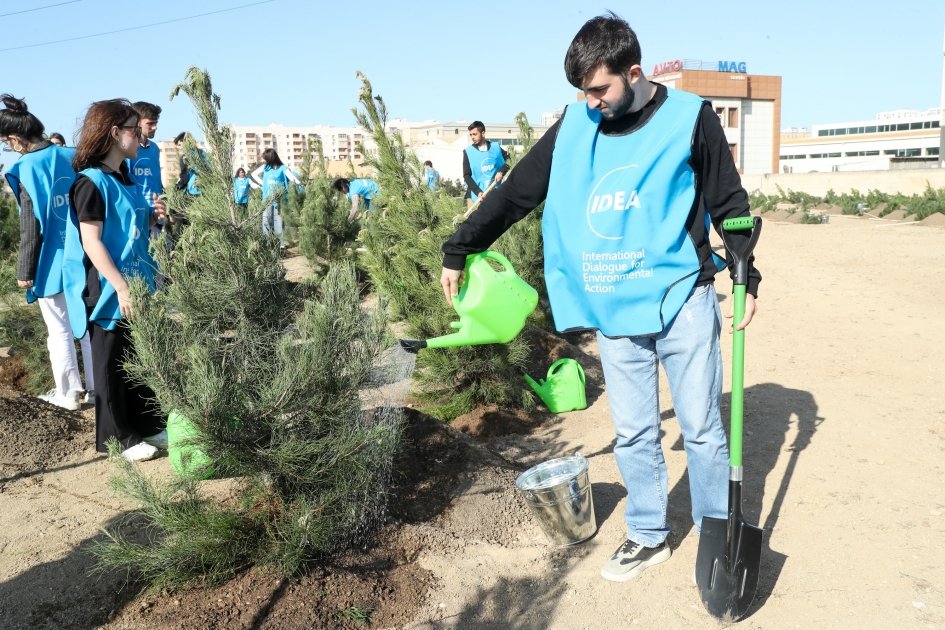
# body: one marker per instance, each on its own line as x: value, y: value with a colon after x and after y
x: 31, y: 239
x: 718, y: 190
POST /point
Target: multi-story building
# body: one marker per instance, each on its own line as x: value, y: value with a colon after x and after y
x: 337, y: 143
x: 749, y: 106
x: 904, y: 135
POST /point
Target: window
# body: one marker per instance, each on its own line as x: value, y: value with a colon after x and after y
x: 732, y: 117
x: 734, y: 149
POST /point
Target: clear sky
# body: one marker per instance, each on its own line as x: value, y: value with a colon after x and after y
x: 293, y: 61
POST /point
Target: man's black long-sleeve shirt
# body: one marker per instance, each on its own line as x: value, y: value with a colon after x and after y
x: 718, y: 190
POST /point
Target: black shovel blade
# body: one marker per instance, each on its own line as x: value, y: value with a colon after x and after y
x: 727, y: 585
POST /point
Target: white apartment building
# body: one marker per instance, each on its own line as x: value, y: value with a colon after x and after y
x: 338, y: 144
x: 869, y: 145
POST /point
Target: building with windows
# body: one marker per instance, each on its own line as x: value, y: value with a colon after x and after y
x: 337, y: 143
x: 748, y: 105
x: 903, y: 136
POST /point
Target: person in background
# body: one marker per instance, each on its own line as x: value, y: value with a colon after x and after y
x: 145, y: 169
x: 57, y: 139
x: 107, y: 247
x: 40, y: 180
x: 483, y: 163
x: 190, y: 165
x: 431, y: 176
x: 631, y: 180
x: 241, y: 186
x: 357, y: 190
x: 274, y: 177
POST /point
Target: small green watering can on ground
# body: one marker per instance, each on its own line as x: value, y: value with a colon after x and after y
x: 188, y: 461
x: 563, y: 389
x: 492, y: 306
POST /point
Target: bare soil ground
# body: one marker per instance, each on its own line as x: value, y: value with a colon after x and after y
x: 844, y: 456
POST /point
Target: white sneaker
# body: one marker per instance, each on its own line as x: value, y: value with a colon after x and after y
x: 140, y: 452
x: 89, y: 397
x: 158, y: 440
x: 70, y: 401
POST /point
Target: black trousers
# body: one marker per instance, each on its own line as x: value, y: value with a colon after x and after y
x: 123, y: 409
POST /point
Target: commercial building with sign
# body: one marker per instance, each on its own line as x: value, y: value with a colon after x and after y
x: 904, y: 136
x: 749, y: 106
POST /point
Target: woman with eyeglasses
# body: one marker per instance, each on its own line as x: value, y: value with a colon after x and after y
x: 106, y: 247
x: 40, y: 180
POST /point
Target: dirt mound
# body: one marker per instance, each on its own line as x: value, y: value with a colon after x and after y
x: 934, y: 220
x: 36, y: 435
x: 448, y: 490
x: 896, y: 215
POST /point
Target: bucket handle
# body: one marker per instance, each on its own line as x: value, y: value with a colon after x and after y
x: 557, y: 364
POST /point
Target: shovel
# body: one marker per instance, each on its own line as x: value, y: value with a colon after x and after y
x: 730, y: 550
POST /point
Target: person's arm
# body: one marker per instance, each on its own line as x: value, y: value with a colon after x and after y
x: 257, y: 174
x: 31, y: 242
x: 292, y: 177
x: 355, y: 203
x: 467, y: 176
x: 253, y: 184
x: 505, y: 167
x: 91, y: 233
x: 523, y: 191
x: 723, y: 194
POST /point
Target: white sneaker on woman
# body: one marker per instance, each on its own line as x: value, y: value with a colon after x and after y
x: 158, y: 440
x: 70, y: 401
x: 140, y: 452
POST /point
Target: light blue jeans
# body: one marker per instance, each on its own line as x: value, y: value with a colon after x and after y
x: 272, y: 222
x: 689, y: 351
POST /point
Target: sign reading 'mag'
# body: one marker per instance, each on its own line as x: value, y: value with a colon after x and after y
x: 676, y: 65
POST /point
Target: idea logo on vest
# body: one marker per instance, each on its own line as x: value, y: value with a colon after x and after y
x: 613, y: 197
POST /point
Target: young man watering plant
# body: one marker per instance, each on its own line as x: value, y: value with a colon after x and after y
x: 631, y: 181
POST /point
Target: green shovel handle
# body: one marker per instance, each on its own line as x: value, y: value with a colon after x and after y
x: 741, y: 253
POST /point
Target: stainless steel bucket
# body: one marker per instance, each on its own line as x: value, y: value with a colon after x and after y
x: 558, y: 492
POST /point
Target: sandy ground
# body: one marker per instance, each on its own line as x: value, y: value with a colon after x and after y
x: 844, y: 456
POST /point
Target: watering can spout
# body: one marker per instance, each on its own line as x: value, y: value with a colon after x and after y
x: 539, y: 387
x: 413, y: 345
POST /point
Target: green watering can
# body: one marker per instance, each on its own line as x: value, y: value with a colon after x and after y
x: 563, y: 390
x: 492, y: 306
x: 188, y: 461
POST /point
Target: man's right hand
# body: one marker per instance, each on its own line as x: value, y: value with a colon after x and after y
x: 450, y: 279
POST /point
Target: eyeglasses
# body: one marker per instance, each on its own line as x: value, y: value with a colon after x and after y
x: 137, y: 130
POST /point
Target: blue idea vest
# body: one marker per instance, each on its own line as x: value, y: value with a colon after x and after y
x: 432, y: 177
x: 125, y: 236
x: 618, y: 257
x: 145, y: 171
x: 366, y: 189
x: 241, y: 190
x: 274, y: 183
x: 483, y: 165
x: 46, y: 175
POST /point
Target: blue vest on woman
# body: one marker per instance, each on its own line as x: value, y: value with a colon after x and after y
x: 274, y: 183
x: 125, y: 236
x: 618, y: 256
x: 483, y: 165
x: 241, y: 190
x: 47, y: 176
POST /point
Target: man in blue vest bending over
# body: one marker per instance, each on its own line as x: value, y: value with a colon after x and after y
x: 483, y: 162
x: 631, y: 180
